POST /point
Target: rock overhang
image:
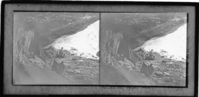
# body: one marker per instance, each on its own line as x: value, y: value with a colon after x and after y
x: 137, y: 33
x: 80, y: 41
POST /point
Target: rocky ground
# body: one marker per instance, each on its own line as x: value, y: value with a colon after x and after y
x: 150, y: 68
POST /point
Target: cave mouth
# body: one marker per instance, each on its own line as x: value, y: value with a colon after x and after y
x: 172, y: 45
x: 85, y: 43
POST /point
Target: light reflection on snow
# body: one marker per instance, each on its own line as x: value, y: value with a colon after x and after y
x: 174, y: 43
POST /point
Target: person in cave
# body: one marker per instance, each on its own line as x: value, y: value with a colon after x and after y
x: 149, y: 56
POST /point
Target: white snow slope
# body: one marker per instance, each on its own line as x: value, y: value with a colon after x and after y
x: 174, y: 44
x: 86, y: 42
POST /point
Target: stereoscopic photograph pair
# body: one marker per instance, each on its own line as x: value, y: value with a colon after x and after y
x: 85, y: 48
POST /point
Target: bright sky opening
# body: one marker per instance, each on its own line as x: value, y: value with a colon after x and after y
x: 174, y: 43
x: 86, y: 41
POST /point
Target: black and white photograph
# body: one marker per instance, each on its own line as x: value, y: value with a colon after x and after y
x: 100, y: 48
x: 52, y: 48
x: 145, y: 49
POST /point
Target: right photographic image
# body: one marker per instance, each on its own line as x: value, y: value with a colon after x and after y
x: 145, y: 49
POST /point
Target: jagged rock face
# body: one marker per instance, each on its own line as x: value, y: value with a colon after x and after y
x: 85, y: 43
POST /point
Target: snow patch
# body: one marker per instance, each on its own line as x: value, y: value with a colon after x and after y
x: 174, y: 44
x: 86, y: 42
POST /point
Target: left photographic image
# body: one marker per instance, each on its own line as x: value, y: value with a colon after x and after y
x: 52, y: 48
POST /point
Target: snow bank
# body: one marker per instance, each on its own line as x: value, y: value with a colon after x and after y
x: 174, y: 44
x: 86, y: 42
